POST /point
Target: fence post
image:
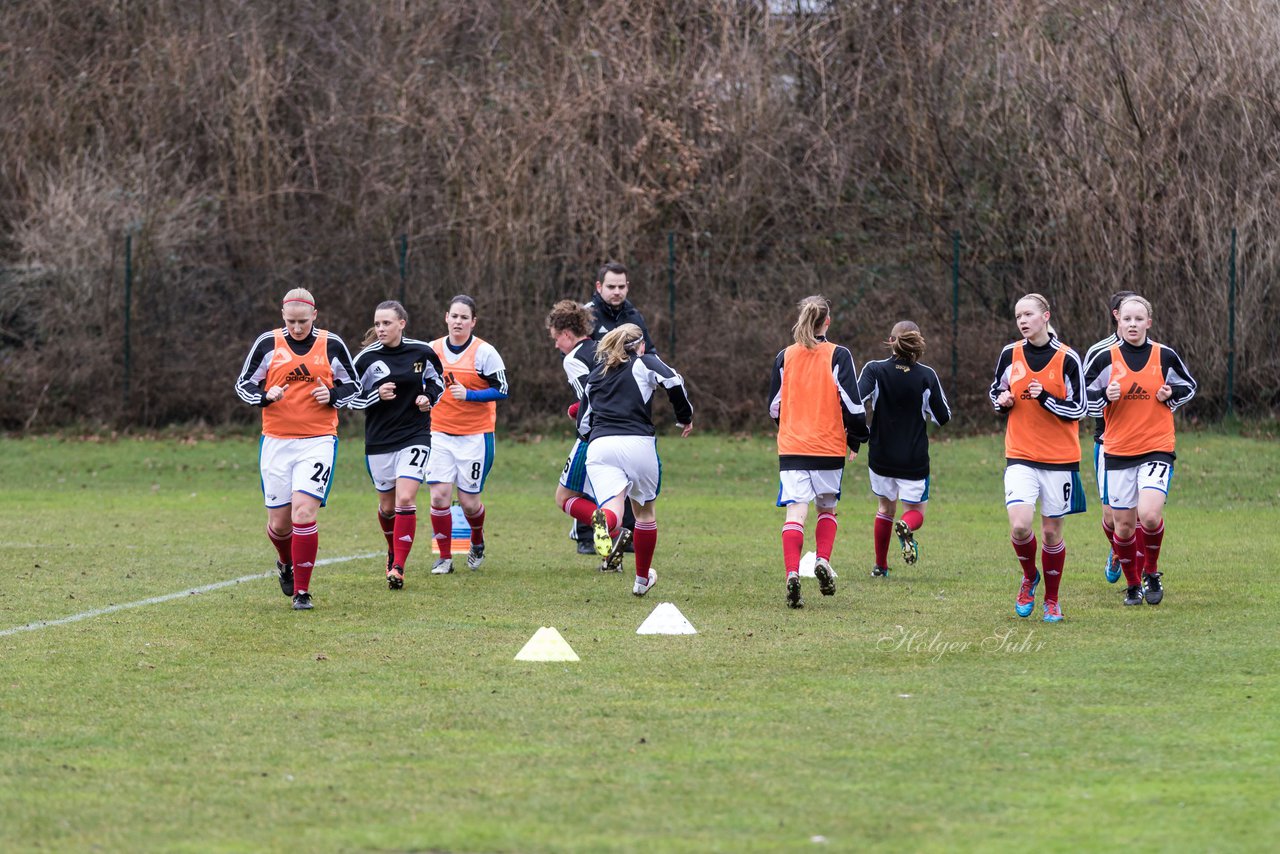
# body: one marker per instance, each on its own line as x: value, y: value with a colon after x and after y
x: 1231, y: 324
x: 671, y: 286
x: 955, y: 311
x: 128, y: 310
x: 404, y: 265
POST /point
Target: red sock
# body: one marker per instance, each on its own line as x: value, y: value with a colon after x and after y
x: 792, y: 543
x: 442, y: 530
x: 283, y: 544
x: 388, y: 526
x: 1125, y: 554
x: 406, y: 528
x: 580, y: 509
x: 1053, y: 559
x: 914, y: 519
x: 306, y: 542
x: 610, y: 519
x: 1140, y: 555
x: 1026, y: 552
x: 883, y: 528
x: 825, y: 533
x: 1110, y: 533
x: 645, y: 540
x: 477, y: 525
x: 1151, y: 549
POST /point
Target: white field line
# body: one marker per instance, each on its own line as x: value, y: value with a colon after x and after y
x: 156, y: 600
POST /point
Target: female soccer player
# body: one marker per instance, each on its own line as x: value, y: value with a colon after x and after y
x: 1136, y: 385
x: 813, y: 397
x: 569, y: 325
x: 462, y: 425
x: 616, y: 417
x: 1111, y: 570
x: 1039, y: 384
x: 904, y: 395
x: 299, y: 375
x: 400, y: 382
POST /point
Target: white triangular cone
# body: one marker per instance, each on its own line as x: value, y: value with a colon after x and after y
x: 546, y: 645
x: 666, y: 619
x: 808, y: 562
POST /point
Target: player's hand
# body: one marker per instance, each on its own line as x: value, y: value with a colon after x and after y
x: 1165, y: 392
x: 276, y: 392
x: 459, y: 391
x: 321, y: 394
x: 422, y: 402
x: 853, y: 455
x: 1005, y: 400
x: 387, y: 391
x: 685, y: 429
x: 1113, y: 390
x: 1035, y: 388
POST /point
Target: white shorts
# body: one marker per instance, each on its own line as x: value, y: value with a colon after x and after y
x: 1123, y: 485
x: 1059, y: 492
x: 1100, y: 472
x: 296, y: 465
x: 461, y: 460
x: 802, y: 486
x: 894, y: 488
x: 574, y: 474
x: 629, y: 465
x: 409, y: 463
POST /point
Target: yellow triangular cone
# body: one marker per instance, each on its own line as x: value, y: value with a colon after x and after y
x: 546, y: 645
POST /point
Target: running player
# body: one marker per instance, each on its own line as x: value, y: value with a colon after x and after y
x: 299, y: 375
x: 616, y: 418
x: 905, y: 396
x: 1039, y: 384
x: 1137, y: 384
x: 400, y: 382
x: 813, y: 397
x: 462, y: 430
x: 569, y: 325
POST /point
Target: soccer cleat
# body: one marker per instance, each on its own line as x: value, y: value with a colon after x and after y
x: 910, y: 549
x: 1154, y: 592
x: 1133, y: 594
x: 285, y: 572
x: 391, y: 559
x: 793, y: 591
x: 1112, y: 569
x: 1052, y: 613
x: 1027, y: 596
x: 642, y: 587
x: 826, y: 576
x: 302, y: 601
x: 879, y: 572
x: 475, y: 556
x: 600, y: 533
x: 442, y: 566
x: 586, y: 548
x: 395, y: 577
x: 613, y: 561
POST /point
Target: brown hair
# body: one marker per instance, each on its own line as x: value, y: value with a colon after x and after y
x: 905, y: 341
x: 570, y: 315
x: 814, y: 311
x: 387, y: 305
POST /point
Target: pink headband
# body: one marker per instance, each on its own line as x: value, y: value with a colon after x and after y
x: 301, y: 300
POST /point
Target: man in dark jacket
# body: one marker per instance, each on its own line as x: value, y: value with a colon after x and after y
x: 611, y: 306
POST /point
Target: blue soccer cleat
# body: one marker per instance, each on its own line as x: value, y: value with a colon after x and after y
x: 1112, y: 569
x: 1027, y: 596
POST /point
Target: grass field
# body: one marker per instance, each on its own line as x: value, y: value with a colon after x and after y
x: 910, y: 713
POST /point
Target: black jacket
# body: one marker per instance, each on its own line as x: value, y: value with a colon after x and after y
x: 609, y: 318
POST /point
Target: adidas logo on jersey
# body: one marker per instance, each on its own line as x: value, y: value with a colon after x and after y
x: 1026, y: 395
x: 904, y: 368
x: 1137, y: 392
x: 299, y: 374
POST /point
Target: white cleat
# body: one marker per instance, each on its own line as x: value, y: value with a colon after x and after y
x: 443, y: 566
x: 642, y: 587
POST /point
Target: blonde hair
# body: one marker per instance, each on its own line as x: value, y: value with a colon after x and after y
x: 814, y: 311
x: 1139, y: 300
x: 905, y: 341
x: 613, y: 348
x: 1044, y: 306
x: 299, y: 295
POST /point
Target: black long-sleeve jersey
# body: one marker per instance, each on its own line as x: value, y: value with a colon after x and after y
x: 620, y: 402
x: 250, y: 387
x: 578, y: 363
x: 904, y: 397
x: 414, y: 369
x: 1069, y: 408
x: 1099, y: 423
x: 609, y: 318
